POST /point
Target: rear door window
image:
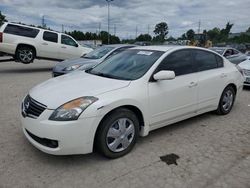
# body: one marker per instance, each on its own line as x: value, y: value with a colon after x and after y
x: 206, y: 60
x: 21, y: 31
x: 50, y: 36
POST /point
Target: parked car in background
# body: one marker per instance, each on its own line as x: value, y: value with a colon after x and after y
x: 248, y: 53
x: 231, y: 54
x: 245, y: 66
x: 89, y: 60
x: 26, y: 43
x: 127, y: 95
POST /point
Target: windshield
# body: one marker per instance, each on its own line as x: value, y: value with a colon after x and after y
x: 127, y: 65
x: 219, y: 51
x: 99, y: 52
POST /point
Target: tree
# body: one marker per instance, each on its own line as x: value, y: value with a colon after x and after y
x: 214, y: 34
x: 2, y: 19
x: 161, y: 30
x: 144, y: 37
x: 190, y: 34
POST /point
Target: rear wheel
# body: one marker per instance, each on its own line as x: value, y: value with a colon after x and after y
x: 226, y: 101
x: 25, y: 54
x: 117, y: 133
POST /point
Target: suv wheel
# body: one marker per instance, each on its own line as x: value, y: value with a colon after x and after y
x: 117, y: 133
x: 25, y: 54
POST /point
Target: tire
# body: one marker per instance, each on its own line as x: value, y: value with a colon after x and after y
x: 25, y: 54
x: 226, y: 101
x: 117, y: 133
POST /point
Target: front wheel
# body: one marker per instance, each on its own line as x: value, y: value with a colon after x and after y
x: 226, y: 101
x: 117, y: 133
x: 25, y: 54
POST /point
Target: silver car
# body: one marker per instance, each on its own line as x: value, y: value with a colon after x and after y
x: 231, y: 54
x: 91, y: 59
x: 245, y: 67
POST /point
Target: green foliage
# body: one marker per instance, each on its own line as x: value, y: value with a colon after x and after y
x: 190, y: 34
x: 144, y: 37
x: 2, y: 19
x: 161, y: 31
x: 79, y: 35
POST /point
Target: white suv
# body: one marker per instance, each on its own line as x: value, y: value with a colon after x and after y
x: 26, y: 43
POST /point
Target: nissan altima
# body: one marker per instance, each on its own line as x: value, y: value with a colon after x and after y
x: 128, y: 95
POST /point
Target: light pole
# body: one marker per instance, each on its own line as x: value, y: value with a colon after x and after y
x: 108, y: 1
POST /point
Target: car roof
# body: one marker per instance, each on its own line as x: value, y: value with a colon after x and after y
x: 165, y: 48
x: 120, y: 45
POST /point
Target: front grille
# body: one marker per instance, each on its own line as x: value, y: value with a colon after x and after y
x: 43, y: 141
x: 247, y: 72
x: 31, y: 108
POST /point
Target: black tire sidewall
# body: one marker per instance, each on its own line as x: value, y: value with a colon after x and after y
x: 104, y: 127
x: 220, y: 109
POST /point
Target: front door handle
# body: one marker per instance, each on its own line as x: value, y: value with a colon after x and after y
x: 223, y: 75
x: 193, y: 84
x: 63, y: 47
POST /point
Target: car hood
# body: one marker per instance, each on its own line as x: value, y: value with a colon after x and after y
x: 77, y: 61
x: 57, y: 91
x: 245, y: 64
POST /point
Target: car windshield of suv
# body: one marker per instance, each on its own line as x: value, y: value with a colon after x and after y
x: 219, y: 51
x: 99, y: 52
x: 127, y: 65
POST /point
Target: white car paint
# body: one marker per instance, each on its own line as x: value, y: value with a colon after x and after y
x: 245, y: 66
x: 161, y: 103
x: 44, y: 48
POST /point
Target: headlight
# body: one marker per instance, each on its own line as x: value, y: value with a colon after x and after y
x: 72, y: 68
x: 72, y: 110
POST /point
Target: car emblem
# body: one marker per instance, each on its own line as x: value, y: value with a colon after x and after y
x: 27, y: 105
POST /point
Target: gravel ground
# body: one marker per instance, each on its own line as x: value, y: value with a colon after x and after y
x: 203, y: 152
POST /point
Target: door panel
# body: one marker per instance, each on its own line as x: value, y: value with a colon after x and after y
x: 170, y: 99
x: 211, y: 78
x: 48, y: 46
x: 69, y: 48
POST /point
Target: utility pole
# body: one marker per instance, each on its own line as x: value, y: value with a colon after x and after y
x: 43, y: 22
x: 62, y: 28
x: 115, y: 29
x: 199, y: 27
x: 99, y: 28
x: 108, y: 1
x: 136, y: 31
x: 148, y: 29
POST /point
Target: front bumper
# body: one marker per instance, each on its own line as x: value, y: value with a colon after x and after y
x: 61, y: 137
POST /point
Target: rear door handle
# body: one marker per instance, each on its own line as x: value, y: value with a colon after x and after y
x: 44, y: 43
x: 193, y: 84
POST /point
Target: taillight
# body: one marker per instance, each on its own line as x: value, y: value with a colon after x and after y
x: 1, y: 37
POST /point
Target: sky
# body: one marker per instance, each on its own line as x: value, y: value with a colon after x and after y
x: 129, y: 16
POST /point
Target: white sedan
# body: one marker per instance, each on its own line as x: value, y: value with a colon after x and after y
x: 245, y: 66
x: 130, y: 94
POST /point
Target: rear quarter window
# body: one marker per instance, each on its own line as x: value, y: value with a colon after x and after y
x: 21, y: 31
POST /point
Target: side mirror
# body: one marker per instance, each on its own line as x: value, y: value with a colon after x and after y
x: 164, y: 75
x: 76, y: 45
